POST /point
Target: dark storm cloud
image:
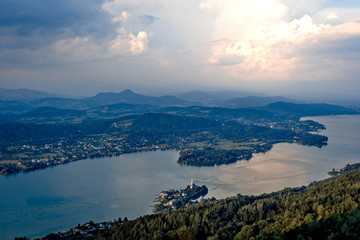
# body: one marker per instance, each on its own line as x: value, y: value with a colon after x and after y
x: 37, y: 22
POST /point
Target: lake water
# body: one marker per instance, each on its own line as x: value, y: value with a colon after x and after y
x: 55, y: 199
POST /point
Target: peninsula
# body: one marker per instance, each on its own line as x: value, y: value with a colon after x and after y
x: 176, y: 199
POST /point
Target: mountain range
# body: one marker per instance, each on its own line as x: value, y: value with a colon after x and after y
x: 217, y: 105
x: 23, y: 100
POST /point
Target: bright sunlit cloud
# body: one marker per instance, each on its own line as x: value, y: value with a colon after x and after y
x: 258, y: 40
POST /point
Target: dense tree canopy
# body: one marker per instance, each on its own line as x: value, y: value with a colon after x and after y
x: 323, y: 210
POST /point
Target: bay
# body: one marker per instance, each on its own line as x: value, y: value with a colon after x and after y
x: 55, y: 199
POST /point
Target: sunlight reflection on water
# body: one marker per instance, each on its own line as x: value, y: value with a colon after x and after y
x: 59, y: 198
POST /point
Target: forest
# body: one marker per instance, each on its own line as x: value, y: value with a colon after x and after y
x: 212, y: 157
x: 201, y: 141
x: 328, y: 209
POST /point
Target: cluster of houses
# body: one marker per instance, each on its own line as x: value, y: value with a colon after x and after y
x: 89, y: 229
x: 32, y: 157
x: 294, y: 125
x: 175, y: 199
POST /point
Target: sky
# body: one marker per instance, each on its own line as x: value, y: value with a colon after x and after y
x: 88, y: 46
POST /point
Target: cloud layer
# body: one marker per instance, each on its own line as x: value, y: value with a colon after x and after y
x: 259, y: 40
x: 179, y: 43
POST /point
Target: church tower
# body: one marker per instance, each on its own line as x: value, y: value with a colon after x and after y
x: 192, y: 184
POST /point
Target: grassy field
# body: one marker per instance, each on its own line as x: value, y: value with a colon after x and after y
x: 13, y: 162
x: 199, y: 144
x: 46, y: 155
x: 9, y: 161
x: 230, y: 145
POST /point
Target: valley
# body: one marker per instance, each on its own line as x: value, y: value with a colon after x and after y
x: 217, y: 138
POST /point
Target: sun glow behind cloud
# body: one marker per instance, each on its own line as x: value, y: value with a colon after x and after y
x: 259, y: 40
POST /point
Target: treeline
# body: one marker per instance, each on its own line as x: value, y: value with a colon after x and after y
x: 274, y: 111
x: 325, y: 210
x: 19, y: 132
x: 312, y: 109
x: 212, y: 157
x: 28, y: 133
x: 220, y: 113
x: 311, y: 139
x: 155, y: 125
x: 160, y: 124
x: 153, y: 129
x: 237, y: 132
x: 349, y: 168
x: 145, y: 124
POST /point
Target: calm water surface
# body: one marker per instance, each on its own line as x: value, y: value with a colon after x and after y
x: 56, y: 199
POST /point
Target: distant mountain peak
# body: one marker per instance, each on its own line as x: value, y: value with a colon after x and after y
x: 128, y: 91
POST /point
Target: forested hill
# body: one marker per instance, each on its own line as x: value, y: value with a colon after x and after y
x: 323, y: 210
x: 303, y: 110
x: 116, y: 104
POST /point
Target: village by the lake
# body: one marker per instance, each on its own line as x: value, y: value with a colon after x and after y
x: 176, y: 199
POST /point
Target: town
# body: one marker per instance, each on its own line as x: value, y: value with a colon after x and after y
x: 238, y: 141
x: 175, y: 199
x: 32, y: 157
x: 348, y: 169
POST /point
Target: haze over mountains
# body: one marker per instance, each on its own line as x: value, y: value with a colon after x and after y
x: 28, y: 105
x: 23, y: 100
x: 212, y: 128
x: 22, y: 94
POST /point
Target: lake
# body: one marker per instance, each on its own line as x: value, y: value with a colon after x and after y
x: 55, y: 199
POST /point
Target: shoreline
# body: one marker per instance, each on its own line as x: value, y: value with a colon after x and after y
x: 241, y: 191
x: 90, y: 229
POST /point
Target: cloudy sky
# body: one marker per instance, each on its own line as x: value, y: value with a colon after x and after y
x: 87, y: 46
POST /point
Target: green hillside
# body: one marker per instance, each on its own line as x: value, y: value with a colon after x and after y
x: 323, y: 210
